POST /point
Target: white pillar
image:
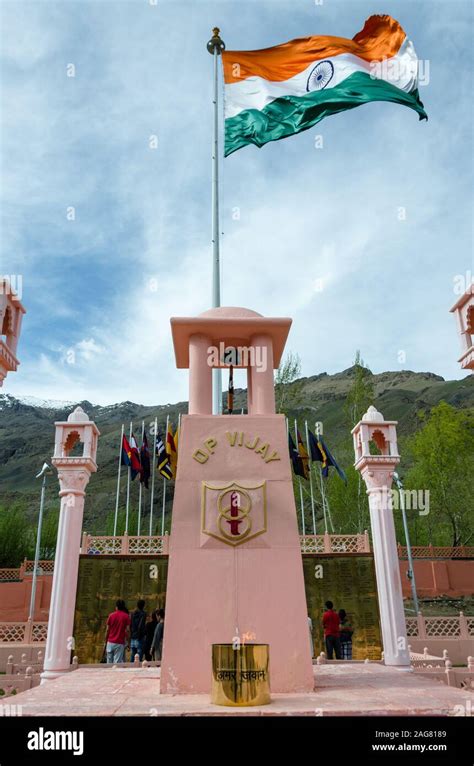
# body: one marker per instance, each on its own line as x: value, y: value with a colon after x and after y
x: 387, y: 570
x: 73, y: 474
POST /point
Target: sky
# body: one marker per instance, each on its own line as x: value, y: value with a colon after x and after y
x: 359, y: 229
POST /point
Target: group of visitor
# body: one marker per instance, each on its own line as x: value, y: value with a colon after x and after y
x: 139, y: 631
x: 337, y: 633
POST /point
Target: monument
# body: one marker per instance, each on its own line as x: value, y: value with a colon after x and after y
x: 11, y: 316
x: 464, y: 311
x: 376, y: 468
x: 74, y: 472
x: 235, y: 569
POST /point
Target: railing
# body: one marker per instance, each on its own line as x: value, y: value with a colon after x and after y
x: 458, y: 678
x: 23, y: 632
x: 335, y: 543
x: 10, y: 574
x: 437, y: 552
x: 440, y: 627
x: 125, y: 545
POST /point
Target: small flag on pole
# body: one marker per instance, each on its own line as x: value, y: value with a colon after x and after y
x: 230, y: 392
x: 172, y: 450
x: 126, y: 452
x: 145, y: 461
x: 134, y: 458
x: 163, y: 462
x: 303, y: 457
x: 321, y: 454
x: 295, y: 458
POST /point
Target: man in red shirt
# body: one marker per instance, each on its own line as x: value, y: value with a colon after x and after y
x: 331, y: 631
x: 117, y: 633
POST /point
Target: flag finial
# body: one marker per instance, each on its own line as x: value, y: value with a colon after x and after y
x: 216, y: 44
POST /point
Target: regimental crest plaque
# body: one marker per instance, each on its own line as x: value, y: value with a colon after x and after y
x: 233, y: 513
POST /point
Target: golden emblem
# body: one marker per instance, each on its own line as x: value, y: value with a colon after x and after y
x: 233, y: 513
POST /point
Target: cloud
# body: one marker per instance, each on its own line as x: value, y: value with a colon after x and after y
x: 310, y: 233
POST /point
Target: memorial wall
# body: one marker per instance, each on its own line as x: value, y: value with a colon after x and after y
x: 349, y: 582
x: 104, y: 579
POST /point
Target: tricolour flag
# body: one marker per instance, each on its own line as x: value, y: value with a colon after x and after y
x: 276, y: 92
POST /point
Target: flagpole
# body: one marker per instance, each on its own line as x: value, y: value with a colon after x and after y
x: 215, y: 46
x: 153, y: 481
x: 128, y: 484
x: 140, y: 490
x: 303, y: 528
x: 118, y: 482
x: 164, y: 486
x: 316, y: 429
x: 310, y: 476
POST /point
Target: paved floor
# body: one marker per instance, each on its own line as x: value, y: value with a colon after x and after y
x: 366, y: 689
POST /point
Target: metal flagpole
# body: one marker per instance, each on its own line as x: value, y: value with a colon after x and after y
x: 140, y: 490
x: 411, y: 568
x: 118, y: 482
x: 215, y: 46
x: 323, y: 498
x: 128, y: 484
x: 310, y: 476
x: 44, y: 472
x: 303, y: 528
x: 164, y: 486
x: 153, y: 481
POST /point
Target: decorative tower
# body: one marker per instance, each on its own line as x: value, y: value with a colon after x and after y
x: 235, y: 567
x: 377, y: 471
x: 11, y: 315
x: 464, y: 310
x: 74, y: 472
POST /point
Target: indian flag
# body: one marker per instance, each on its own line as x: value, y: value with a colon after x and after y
x: 277, y: 92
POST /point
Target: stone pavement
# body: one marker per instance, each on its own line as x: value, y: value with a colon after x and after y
x: 343, y: 689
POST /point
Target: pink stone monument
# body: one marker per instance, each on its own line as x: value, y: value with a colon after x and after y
x: 464, y: 311
x: 11, y: 315
x: 377, y: 471
x: 74, y: 472
x: 235, y: 566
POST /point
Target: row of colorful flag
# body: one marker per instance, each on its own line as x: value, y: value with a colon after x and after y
x: 139, y: 459
x: 319, y: 453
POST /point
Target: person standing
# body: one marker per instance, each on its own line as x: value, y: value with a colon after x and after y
x: 150, y: 628
x: 157, y: 643
x: 138, y: 632
x: 331, y: 631
x: 310, y: 628
x: 117, y: 633
x: 346, y: 631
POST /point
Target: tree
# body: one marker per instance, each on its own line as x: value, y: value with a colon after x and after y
x: 15, y: 536
x: 361, y: 394
x: 443, y: 462
x: 287, y: 385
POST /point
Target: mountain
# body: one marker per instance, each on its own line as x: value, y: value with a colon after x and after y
x: 27, y: 431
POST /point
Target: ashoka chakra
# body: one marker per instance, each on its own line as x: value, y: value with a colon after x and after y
x: 320, y: 76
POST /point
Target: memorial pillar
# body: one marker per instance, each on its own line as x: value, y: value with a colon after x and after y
x: 200, y: 376
x: 11, y: 315
x: 377, y: 471
x: 261, y: 376
x: 74, y: 472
